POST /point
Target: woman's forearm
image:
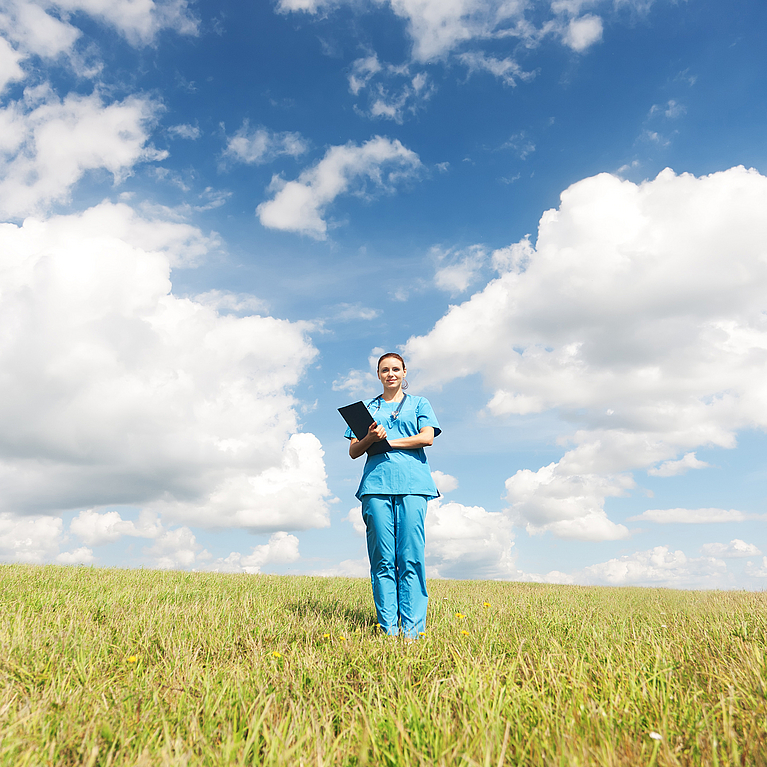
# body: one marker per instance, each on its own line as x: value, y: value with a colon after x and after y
x: 359, y: 447
x: 424, y: 438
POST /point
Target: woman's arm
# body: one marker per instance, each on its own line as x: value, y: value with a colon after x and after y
x: 358, y: 447
x: 424, y: 438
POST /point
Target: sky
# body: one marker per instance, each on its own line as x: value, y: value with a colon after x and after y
x: 216, y: 216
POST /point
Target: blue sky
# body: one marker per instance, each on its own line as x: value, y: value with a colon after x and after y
x: 216, y: 215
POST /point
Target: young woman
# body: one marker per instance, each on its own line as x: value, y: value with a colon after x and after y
x: 394, y: 490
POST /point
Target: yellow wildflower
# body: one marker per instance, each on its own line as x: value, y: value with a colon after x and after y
x: 276, y: 654
x: 343, y: 639
x: 486, y: 604
x: 326, y: 636
x: 465, y: 633
x: 133, y: 659
x: 460, y: 616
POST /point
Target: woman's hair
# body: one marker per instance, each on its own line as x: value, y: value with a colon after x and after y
x: 390, y: 354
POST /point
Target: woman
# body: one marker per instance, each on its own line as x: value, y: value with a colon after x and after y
x: 394, y: 490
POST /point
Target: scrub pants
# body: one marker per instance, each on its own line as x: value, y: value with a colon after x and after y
x: 396, y: 541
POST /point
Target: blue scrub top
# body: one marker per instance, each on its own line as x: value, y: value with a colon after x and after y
x: 399, y: 472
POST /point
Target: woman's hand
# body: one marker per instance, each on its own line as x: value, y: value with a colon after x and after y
x: 375, y: 433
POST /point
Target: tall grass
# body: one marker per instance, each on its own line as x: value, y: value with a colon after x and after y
x: 115, y: 667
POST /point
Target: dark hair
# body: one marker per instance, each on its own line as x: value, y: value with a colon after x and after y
x: 390, y: 354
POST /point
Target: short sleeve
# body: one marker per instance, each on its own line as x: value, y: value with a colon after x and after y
x: 348, y: 433
x: 425, y: 416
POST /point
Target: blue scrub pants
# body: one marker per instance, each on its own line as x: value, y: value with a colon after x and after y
x: 396, y: 542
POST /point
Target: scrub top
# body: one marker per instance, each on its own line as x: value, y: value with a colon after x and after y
x: 399, y: 472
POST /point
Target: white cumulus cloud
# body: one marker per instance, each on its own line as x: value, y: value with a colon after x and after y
x: 97, y: 528
x: 675, y: 468
x: 174, y: 549
x: 445, y: 483
x: 638, y: 314
x: 117, y: 392
x: 659, y: 567
x: 583, y: 32
x: 48, y: 144
x: 468, y: 542
x: 281, y: 548
x: 30, y: 540
x: 735, y: 549
x: 458, y: 269
x: 255, y: 146
x: 299, y: 206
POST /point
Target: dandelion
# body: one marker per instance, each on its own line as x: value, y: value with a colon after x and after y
x: 460, y: 616
x: 656, y: 736
x: 342, y: 638
x: 486, y: 604
x: 465, y: 633
x: 326, y: 636
x: 133, y: 659
x: 421, y: 633
x: 276, y: 654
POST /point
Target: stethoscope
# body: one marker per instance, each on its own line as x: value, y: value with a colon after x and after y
x: 395, y: 414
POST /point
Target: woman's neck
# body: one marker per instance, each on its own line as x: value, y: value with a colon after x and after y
x: 395, y: 396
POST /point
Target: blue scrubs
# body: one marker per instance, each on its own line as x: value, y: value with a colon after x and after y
x: 394, y: 489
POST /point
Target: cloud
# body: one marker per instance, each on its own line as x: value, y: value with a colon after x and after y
x: 438, y: 28
x: 354, y: 517
x: 96, y: 529
x: 31, y: 540
x: 360, y: 382
x: 735, y: 549
x: 468, y: 542
x: 392, y: 91
x: 47, y: 145
x: 507, y: 69
x: 658, y: 567
x: 445, y: 483
x: 191, y: 132
x: 692, y: 516
x: 117, y: 392
x: 174, y: 549
x: 353, y: 313
x: 638, y: 315
x: 259, y: 145
x: 9, y: 64
x: 582, y: 33
x: 675, y: 468
x: 299, y: 206
x: 363, y: 70
x: 520, y: 144
x: 560, y: 499
x: 282, y: 548
x: 756, y: 571
x: 671, y: 109
x: 458, y: 268
x: 50, y: 32
x: 81, y: 556
x: 139, y: 21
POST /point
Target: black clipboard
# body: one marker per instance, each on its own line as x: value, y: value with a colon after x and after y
x: 358, y: 418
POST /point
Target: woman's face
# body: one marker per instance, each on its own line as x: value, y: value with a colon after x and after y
x: 391, y: 372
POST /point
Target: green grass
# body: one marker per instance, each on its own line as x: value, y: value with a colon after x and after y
x: 116, y: 667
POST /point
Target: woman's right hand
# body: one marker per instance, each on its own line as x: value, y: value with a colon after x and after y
x: 376, y: 432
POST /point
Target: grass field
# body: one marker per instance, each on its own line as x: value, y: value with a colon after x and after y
x: 116, y: 667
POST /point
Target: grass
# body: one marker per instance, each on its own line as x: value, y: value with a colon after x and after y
x: 116, y: 667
